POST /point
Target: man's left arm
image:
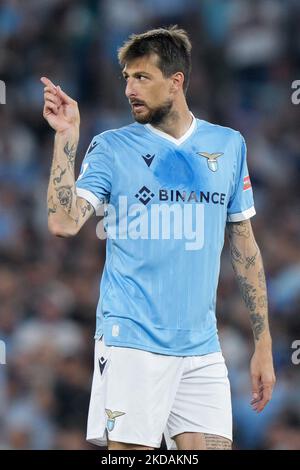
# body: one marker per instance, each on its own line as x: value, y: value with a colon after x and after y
x: 248, y: 267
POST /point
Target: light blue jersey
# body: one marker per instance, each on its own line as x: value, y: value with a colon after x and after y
x: 167, y: 203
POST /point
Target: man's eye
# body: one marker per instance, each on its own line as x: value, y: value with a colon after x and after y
x: 138, y: 77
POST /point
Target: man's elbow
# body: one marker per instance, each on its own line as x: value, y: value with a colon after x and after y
x: 62, y: 231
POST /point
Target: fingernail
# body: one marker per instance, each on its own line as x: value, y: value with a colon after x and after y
x: 255, y: 395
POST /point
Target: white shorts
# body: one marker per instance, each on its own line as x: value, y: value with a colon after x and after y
x: 138, y: 395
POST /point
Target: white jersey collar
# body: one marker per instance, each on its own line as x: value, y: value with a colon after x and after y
x: 166, y: 136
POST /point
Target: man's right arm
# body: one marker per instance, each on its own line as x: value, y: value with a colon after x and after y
x: 66, y: 211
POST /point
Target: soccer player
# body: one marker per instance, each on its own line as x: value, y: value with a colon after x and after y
x: 170, y: 183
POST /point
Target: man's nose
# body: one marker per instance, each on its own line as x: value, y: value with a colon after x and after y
x: 130, y: 91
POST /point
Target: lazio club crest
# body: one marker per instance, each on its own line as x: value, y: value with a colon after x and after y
x: 112, y: 415
x: 211, y: 159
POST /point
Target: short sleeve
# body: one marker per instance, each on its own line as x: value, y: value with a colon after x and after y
x: 95, y: 178
x: 241, y: 203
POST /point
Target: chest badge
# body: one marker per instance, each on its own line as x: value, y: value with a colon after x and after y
x: 211, y: 159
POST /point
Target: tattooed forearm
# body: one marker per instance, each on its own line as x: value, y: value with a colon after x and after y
x: 248, y: 292
x: 67, y: 211
x: 247, y: 263
x: 214, y: 442
x: 258, y: 324
x: 70, y: 152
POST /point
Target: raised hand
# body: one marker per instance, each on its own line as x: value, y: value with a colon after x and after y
x: 60, y: 111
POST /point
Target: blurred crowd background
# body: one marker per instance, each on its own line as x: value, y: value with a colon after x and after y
x: 246, y: 54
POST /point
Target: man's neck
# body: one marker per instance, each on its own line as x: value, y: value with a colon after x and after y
x: 177, y: 123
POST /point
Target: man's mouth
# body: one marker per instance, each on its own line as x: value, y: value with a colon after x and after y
x: 137, y: 106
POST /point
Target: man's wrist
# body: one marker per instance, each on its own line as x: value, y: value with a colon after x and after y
x: 68, y: 134
x: 264, y: 343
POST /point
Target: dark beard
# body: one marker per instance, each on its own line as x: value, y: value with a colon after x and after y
x: 155, y: 116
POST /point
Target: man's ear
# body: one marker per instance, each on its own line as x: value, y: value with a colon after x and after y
x: 177, y: 81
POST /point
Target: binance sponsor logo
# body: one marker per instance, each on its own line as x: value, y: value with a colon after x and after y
x: 173, y: 195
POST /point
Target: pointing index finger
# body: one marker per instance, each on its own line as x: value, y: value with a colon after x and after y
x: 47, y: 82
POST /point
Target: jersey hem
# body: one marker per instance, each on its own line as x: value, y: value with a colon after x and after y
x: 165, y: 352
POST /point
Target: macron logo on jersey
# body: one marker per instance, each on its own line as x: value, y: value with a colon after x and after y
x: 92, y: 146
x: 148, y: 159
x: 247, y: 183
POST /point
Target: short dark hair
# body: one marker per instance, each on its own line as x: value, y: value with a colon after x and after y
x: 172, y: 45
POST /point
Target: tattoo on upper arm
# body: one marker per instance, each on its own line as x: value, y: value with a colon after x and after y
x: 214, y: 442
x: 86, y: 208
x: 70, y: 152
x: 237, y: 256
x: 258, y: 324
x: 239, y: 228
x: 248, y: 293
